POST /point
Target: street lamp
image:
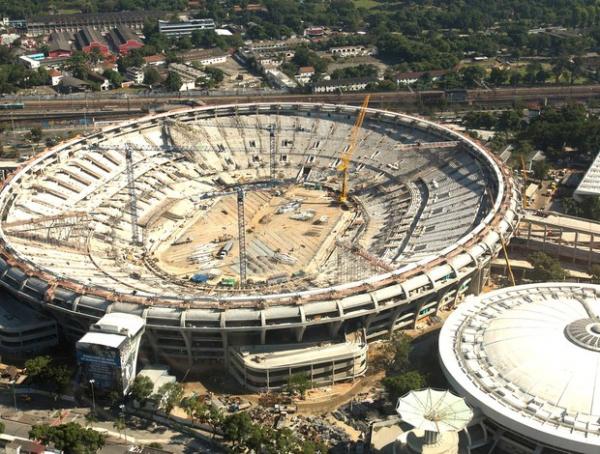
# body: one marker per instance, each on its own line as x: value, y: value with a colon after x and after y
x: 122, y: 407
x: 92, y: 381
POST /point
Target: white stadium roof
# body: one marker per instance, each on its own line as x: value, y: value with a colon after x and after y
x: 529, y: 358
x: 590, y: 184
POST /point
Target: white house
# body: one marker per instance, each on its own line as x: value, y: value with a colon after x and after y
x: 55, y: 76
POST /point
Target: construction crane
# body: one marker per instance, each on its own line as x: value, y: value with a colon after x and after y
x: 133, y: 211
x: 272, y: 153
x: 349, y: 151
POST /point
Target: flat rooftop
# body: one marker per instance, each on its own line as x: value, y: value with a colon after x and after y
x: 274, y: 356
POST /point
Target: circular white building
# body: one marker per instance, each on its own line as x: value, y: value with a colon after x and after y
x: 528, y: 357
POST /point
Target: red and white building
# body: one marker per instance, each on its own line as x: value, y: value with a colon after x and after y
x: 124, y: 40
x: 89, y: 39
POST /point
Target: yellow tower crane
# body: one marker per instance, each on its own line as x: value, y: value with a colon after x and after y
x: 349, y: 151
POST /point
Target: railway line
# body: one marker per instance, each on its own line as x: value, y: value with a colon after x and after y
x: 102, y: 105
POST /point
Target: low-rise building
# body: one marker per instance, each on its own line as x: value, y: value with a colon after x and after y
x: 411, y: 77
x: 314, y: 32
x: 42, y: 25
x: 330, y: 86
x: 205, y: 57
x: 29, y: 62
x: 305, y: 74
x: 59, y: 45
x: 185, y: 27
x: 124, y: 39
x: 267, y: 367
x: 279, y: 79
x: 351, y: 51
x: 55, y: 76
x: 89, y: 39
x: 135, y: 74
x: 186, y: 72
x: 155, y: 60
x: 70, y: 84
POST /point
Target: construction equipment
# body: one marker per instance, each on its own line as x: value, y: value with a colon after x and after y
x: 241, y: 234
x: 349, y: 151
x: 135, y: 228
x: 272, y: 153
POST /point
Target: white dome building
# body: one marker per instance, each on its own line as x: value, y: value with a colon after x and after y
x: 528, y: 357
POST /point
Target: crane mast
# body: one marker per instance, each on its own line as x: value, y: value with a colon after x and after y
x: 135, y: 229
x: 349, y: 151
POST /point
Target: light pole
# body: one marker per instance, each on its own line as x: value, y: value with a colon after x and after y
x: 92, y: 381
x: 14, y: 393
x: 122, y: 407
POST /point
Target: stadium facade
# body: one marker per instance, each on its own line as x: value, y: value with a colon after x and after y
x: 526, y: 358
x: 428, y: 208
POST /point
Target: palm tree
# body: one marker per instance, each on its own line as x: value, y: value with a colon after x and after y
x: 119, y: 424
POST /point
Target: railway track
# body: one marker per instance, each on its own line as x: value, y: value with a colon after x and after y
x: 103, y: 106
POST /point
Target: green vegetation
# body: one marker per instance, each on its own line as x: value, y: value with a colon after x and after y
x: 399, y: 385
x: 173, y: 81
x: 142, y: 388
x: 151, y: 76
x: 168, y: 396
x: 71, y: 438
x: 43, y: 372
x: 546, y: 268
x: 401, y: 374
x: 354, y: 71
x: 589, y: 208
x: 298, y: 383
x: 245, y: 435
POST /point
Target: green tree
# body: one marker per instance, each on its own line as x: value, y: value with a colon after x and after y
x: 546, y: 268
x: 35, y: 134
x: 398, y: 385
x: 595, y: 272
x: 395, y: 353
x: 237, y: 428
x: 540, y: 169
x: 142, y: 388
x: 114, y: 77
x: 119, y: 425
x: 169, y: 396
x: 37, y: 367
x: 472, y: 75
x: 151, y: 76
x: 71, y: 438
x: 299, y: 383
x: 173, y: 81
x: 60, y: 378
x: 498, y: 76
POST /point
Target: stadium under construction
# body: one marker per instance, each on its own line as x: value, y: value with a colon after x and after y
x: 274, y: 238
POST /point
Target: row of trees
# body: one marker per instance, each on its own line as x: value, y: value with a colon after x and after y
x: 238, y: 429
x: 70, y: 438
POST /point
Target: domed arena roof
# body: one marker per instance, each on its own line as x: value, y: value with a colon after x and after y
x: 529, y: 358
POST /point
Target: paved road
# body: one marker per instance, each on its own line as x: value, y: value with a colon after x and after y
x: 40, y: 409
